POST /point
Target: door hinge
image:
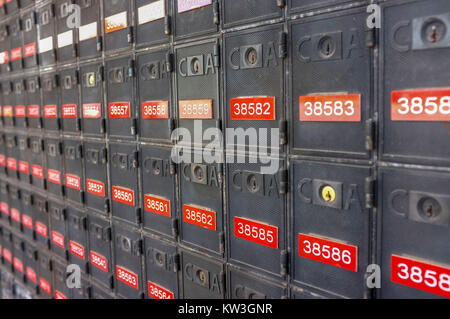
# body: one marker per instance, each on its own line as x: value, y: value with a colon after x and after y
x: 281, y: 3
x: 283, y: 175
x: 372, y: 38
x: 216, y: 12
x: 175, y: 227
x: 138, y: 215
x: 216, y: 53
x: 282, y: 45
x: 369, y: 189
x: 284, y: 258
x: 370, y: 134
x: 167, y: 25
x: 176, y: 263
x: 221, y: 242
x: 283, y: 132
x: 169, y: 62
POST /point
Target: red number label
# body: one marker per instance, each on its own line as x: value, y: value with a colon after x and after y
x: 31, y: 274
x: 92, y: 111
x: 24, y: 167
x: 4, y: 208
x: 199, y: 217
x: 73, y: 181
x: 30, y: 49
x: 18, y: 265
x: 50, y: 111
x: 69, y: 111
x: 41, y: 229
x: 33, y: 111
x: 16, y: 54
x: 328, y: 252
x: 59, y: 295
x: 37, y: 171
x: 15, y: 214
x: 11, y: 163
x: 20, y: 111
x: 259, y: 233
x: 157, y: 292
x: 424, y: 276
x: 95, y: 187
x: 127, y: 277
x: 123, y: 195
x: 58, y: 239
x: 45, y: 286
x: 7, y: 111
x: 421, y: 105
x: 252, y: 108
x: 195, y: 109
x: 330, y: 108
x: 119, y: 110
x: 27, y: 221
x: 76, y: 249
x: 54, y: 176
x: 155, y: 110
x: 157, y: 205
x: 7, y: 255
x: 99, y: 261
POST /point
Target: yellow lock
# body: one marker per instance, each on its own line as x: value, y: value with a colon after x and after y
x: 328, y: 194
x: 91, y: 79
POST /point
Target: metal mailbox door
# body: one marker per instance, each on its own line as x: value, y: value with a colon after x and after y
x: 15, y: 208
x: 257, y: 214
x: 20, y: 111
x: 27, y: 213
x: 12, y: 152
x: 195, y: 18
x: 155, y: 106
x: 201, y: 205
x: 153, y: 21
x: 92, y: 110
x: 41, y: 221
x: 203, y: 278
x: 162, y: 267
x: 120, y: 98
x: 30, y: 43
x: 123, y: 170
x: 16, y: 39
x: 118, y: 24
x: 246, y: 12
x: 331, y: 115
x: 55, y: 167
x: 416, y: 99
x: 61, y: 291
x: 7, y: 249
x: 90, y: 41
x: 66, y: 38
x: 45, y: 276
x: 197, y: 83
x: 73, y: 164
x: 23, y: 162
x: 5, y: 65
x: 254, y: 93
x: 100, y: 240
x: 128, y: 264
x: 50, y: 101
x: 31, y: 265
x: 4, y: 202
x: 12, y: 6
x: 46, y: 35
x: 158, y: 191
x: 77, y: 235
x: 37, y: 161
x: 2, y: 155
x: 8, y: 104
x: 413, y: 234
x: 70, y: 101
x: 331, y: 226
x: 96, y: 183
x: 18, y: 260
x: 58, y: 229
x: 84, y: 292
x: 34, y: 115
x: 297, y: 6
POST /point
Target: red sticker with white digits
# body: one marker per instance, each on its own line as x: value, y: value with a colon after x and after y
x: 30, y: 49
x: 7, y: 255
x: 2, y: 160
x: 7, y: 111
x: 69, y: 111
x: 94, y: 187
x: 31, y: 274
x: 59, y: 295
x: 45, y: 286
x: 76, y: 249
x: 73, y: 181
x: 54, y: 176
x: 11, y: 163
x: 119, y: 110
x: 99, y: 261
x: 92, y: 110
x: 252, y: 108
x: 4, y: 208
x: 18, y: 264
x: 24, y: 167
x: 16, y: 54
x: 195, y: 109
x: 15, y: 215
x: 199, y: 217
x: 417, y: 274
x: 157, y: 205
x: 41, y: 229
x: 37, y: 171
x: 123, y: 195
x: 330, y: 108
x: 263, y: 234
x: 50, y: 111
x: 58, y: 239
x: 127, y: 277
x: 421, y: 105
x: 155, y: 110
x: 157, y: 292
x: 27, y: 221
x: 328, y: 252
x: 33, y: 111
x: 20, y: 111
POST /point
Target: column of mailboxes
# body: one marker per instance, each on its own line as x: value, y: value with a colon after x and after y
x: 98, y: 116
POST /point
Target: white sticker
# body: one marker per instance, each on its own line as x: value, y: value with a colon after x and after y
x: 45, y: 44
x: 151, y: 12
x: 116, y: 22
x: 88, y: 31
x: 3, y: 57
x: 65, y: 39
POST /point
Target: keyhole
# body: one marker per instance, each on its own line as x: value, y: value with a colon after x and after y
x: 328, y: 196
x: 252, y: 56
x: 429, y: 211
x: 201, y: 276
x: 195, y: 65
x: 429, y: 208
x: 327, y: 47
x: 434, y: 31
x: 198, y: 173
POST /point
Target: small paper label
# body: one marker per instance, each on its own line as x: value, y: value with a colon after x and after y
x: 65, y: 39
x: 46, y: 44
x: 87, y: 31
x: 151, y: 12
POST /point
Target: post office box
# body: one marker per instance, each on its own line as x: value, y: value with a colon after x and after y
x: 20, y: 112
x: 100, y: 257
x: 70, y: 102
x: 2, y: 154
x: 47, y: 34
x: 31, y: 266
x: 195, y: 18
x: 96, y: 184
x: 7, y: 249
x: 41, y: 220
x: 15, y: 36
x: 153, y: 21
x: 66, y: 38
x: 92, y: 105
x: 33, y: 100
x: 23, y: 4
x: 50, y: 101
x: 45, y: 276
x: 158, y: 191
x: 55, y: 168
x: 413, y: 233
x: 128, y: 250
x: 254, y: 91
x: 61, y: 291
x: 120, y: 75
x: 84, y: 292
x: 12, y: 152
x: 23, y: 162
x: 4, y: 201
x: 123, y: 171
x: 77, y: 234
x: 117, y: 24
x: 5, y: 65
x: 297, y: 6
x: 154, y: 102
x: 12, y: 6
x: 331, y: 115
x: 201, y: 204
x: 73, y: 165
x: 331, y: 226
x: 203, y: 278
x: 37, y: 161
x: 90, y: 43
x: 18, y: 259
x: 197, y: 85
x: 8, y: 103
x: 15, y: 207
x: 27, y: 214
x: 162, y: 267
x: 100, y: 293
x: 58, y: 228
x: 30, y: 43
x: 7, y: 286
x: 245, y: 12
x: 245, y: 285
x: 416, y: 99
